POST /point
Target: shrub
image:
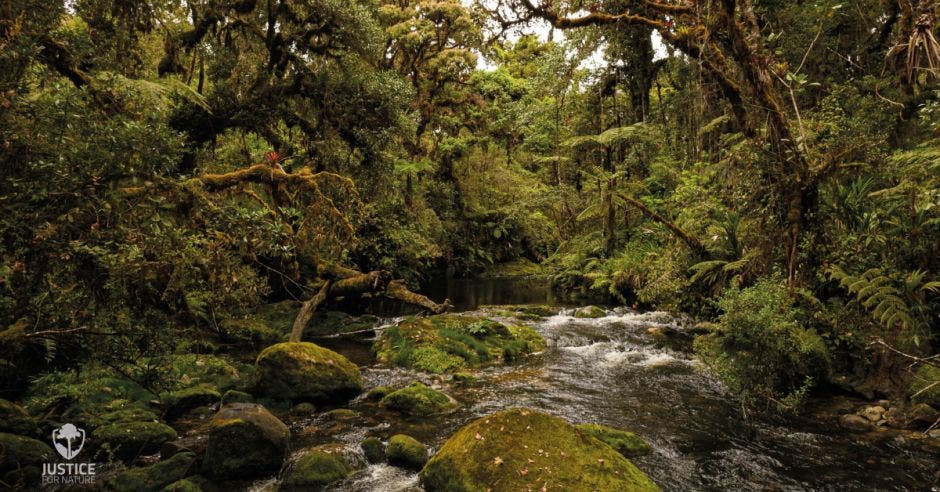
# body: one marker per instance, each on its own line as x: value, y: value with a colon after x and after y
x: 762, y: 348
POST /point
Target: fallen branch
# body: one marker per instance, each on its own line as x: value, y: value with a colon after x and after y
x: 306, y: 312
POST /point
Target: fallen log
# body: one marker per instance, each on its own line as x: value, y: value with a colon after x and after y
x: 352, y: 282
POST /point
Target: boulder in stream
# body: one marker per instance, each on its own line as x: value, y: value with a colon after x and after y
x: 448, y: 343
x: 245, y: 441
x: 307, y: 372
x: 589, y: 312
x: 406, y: 452
x: 319, y: 467
x: 419, y: 400
x: 523, y: 449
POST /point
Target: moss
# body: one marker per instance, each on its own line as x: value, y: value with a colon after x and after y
x: 464, y: 378
x: 245, y: 441
x: 307, y: 372
x: 133, y: 412
x: 590, y: 312
x: 179, y: 402
x: 522, y: 449
x: 522, y: 311
x: 15, y: 420
x: 315, y: 470
x: 195, y: 369
x: 626, y: 443
x: 154, y: 477
x: 406, y: 452
x: 183, y: 485
x: 127, y: 440
x: 21, y: 460
x: 449, y: 343
x: 250, y: 332
x: 235, y: 396
x: 923, y: 378
x: 303, y: 409
x: 279, y: 316
x: 418, y: 400
x: 373, y: 449
x: 379, y: 392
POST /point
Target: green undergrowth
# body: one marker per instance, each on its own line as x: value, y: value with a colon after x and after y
x: 450, y: 343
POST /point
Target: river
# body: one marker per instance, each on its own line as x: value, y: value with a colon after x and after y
x: 610, y: 370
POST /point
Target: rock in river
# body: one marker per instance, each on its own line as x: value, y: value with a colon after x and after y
x: 307, y: 372
x: 245, y: 441
x: 522, y: 449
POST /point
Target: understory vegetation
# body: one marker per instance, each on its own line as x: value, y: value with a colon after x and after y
x: 173, y: 168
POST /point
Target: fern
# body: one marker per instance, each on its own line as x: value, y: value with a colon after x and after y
x: 895, y: 302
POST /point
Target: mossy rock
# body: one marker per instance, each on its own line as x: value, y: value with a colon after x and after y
x: 307, y: 372
x: 589, y: 312
x: 522, y: 311
x: 626, y: 443
x: 183, y: 485
x: 154, y: 477
x: 235, y: 396
x: 134, y: 412
x: 21, y: 460
x: 178, y: 402
x: 494, y: 452
x: 303, y: 409
x: 373, y: 449
x: 924, y: 377
x: 418, y: 400
x: 406, y: 452
x: 250, y: 332
x: 451, y: 343
x: 128, y: 440
x: 245, y: 441
x: 15, y: 420
x: 315, y: 470
x: 379, y: 392
x: 191, y: 370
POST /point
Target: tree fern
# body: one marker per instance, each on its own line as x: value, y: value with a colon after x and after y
x: 894, y: 301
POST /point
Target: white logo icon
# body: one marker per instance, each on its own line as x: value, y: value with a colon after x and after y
x: 69, y: 434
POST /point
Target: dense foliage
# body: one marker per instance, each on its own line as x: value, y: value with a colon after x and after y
x: 168, y: 166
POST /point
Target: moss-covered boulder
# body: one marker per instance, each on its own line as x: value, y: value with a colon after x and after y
x: 406, y: 452
x: 449, y: 343
x: 315, y: 470
x: 155, y: 477
x: 522, y: 449
x: 245, y: 441
x: 626, y: 443
x: 178, y: 402
x: 373, y: 449
x: 307, y: 372
x: 235, y: 396
x: 379, y: 392
x: 15, y: 420
x: 589, y: 312
x: 925, y: 386
x: 128, y: 440
x: 304, y: 409
x: 418, y: 400
x: 21, y: 460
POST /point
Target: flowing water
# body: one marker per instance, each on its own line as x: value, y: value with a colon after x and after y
x: 609, y: 370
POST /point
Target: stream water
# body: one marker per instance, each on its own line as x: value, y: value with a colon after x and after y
x: 609, y: 370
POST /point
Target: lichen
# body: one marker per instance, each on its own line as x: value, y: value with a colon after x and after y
x: 522, y: 449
